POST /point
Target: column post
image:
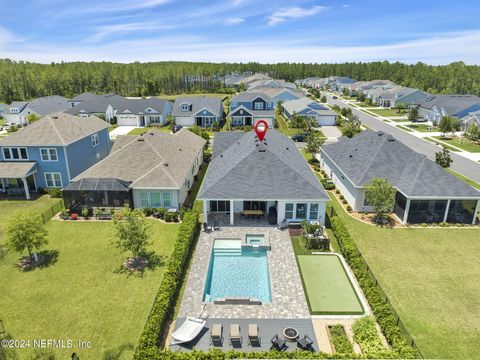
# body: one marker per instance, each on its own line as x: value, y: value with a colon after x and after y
x: 477, y: 209
x: 407, y: 209
x: 205, y: 211
x: 25, y: 187
x: 446, y: 211
x: 232, y: 213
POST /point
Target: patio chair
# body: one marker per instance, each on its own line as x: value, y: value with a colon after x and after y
x: 188, y: 331
x: 216, y: 225
x: 283, y: 225
x: 278, y: 343
x: 253, y: 336
x: 235, y: 338
x: 216, y: 335
x: 305, y: 343
x: 207, y: 228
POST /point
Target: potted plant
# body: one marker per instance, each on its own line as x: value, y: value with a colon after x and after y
x: 74, y: 216
x: 64, y: 214
x: 85, y: 212
x: 97, y: 213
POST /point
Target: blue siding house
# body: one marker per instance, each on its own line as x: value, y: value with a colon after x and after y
x: 51, y: 152
x: 248, y: 107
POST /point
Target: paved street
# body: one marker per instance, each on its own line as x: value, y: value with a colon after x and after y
x: 460, y: 164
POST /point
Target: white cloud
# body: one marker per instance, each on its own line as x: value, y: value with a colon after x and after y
x: 234, y: 21
x: 294, y: 12
x: 430, y: 50
x: 345, y: 6
x: 7, y: 38
x: 108, y: 30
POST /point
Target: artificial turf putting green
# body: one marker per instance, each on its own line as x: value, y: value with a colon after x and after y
x: 327, y: 285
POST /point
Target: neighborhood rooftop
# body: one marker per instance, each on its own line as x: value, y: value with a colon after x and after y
x: 211, y: 103
x: 249, y: 169
x: 376, y: 154
x: 55, y: 129
x: 155, y: 159
x: 42, y: 106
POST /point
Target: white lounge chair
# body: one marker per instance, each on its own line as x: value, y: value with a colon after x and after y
x: 188, y: 331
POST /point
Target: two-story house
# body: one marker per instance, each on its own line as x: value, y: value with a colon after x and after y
x: 18, y: 112
x: 202, y: 111
x: 50, y: 152
x: 248, y: 107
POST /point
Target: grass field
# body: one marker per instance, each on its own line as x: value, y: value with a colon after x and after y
x: 387, y: 112
x: 404, y: 128
x: 284, y: 128
x: 143, y: 130
x: 422, y: 127
x: 431, y: 277
x: 81, y: 295
x: 460, y: 143
x: 327, y: 285
x: 432, y: 140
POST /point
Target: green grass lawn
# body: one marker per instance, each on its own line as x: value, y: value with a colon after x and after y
x: 80, y: 296
x: 284, y: 128
x: 461, y: 143
x: 328, y: 287
x: 431, y: 277
x: 387, y: 112
x: 422, y: 127
x: 112, y: 127
x: 467, y: 180
x: 404, y: 128
x: 432, y: 140
x: 143, y: 130
x: 190, y: 200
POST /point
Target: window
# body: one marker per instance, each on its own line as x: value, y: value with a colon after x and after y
x: 48, y: 154
x: 313, y: 211
x: 237, y: 121
x: 155, y: 119
x: 289, y: 211
x: 144, y: 199
x: 53, y: 180
x: 301, y: 212
x: 258, y: 106
x: 220, y: 206
x: 15, y: 153
x: 155, y: 199
x: 365, y: 200
x: 185, y: 107
x: 95, y: 140
x: 167, y: 199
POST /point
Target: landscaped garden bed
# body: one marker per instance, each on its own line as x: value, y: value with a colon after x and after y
x: 339, y: 339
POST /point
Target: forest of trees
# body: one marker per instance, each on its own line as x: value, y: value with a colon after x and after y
x: 24, y: 80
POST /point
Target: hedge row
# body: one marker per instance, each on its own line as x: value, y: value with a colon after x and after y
x: 382, y: 311
x: 167, y: 294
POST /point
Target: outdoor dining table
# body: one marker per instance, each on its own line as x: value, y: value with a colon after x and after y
x: 252, y: 213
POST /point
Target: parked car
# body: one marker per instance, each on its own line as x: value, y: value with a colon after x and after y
x: 176, y: 128
x: 300, y: 137
x: 334, y: 97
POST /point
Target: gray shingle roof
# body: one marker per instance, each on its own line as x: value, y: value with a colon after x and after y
x: 48, y: 104
x: 138, y: 106
x: 211, y: 103
x: 451, y: 103
x: 304, y: 103
x: 273, y: 171
x: 15, y: 169
x: 56, y: 130
x: 94, y: 104
x: 154, y: 160
x: 375, y: 154
x: 250, y: 96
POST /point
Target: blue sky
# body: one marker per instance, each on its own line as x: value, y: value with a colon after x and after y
x: 435, y: 32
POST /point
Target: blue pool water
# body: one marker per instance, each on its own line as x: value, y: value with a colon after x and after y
x: 237, y: 272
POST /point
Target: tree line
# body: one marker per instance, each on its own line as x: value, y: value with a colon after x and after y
x: 21, y: 80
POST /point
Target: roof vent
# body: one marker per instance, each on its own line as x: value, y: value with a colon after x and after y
x: 391, y: 139
x: 381, y: 133
x: 55, y: 117
x: 288, y: 148
x: 140, y: 138
x: 350, y: 156
x: 151, y: 133
x: 180, y: 149
x: 165, y: 164
x: 262, y: 150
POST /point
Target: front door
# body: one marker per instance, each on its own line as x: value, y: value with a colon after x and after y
x: 199, y: 121
x: 142, y: 121
x: 248, y: 121
x: 31, y: 183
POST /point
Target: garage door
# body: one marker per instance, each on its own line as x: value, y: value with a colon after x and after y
x: 127, y: 121
x: 326, y: 120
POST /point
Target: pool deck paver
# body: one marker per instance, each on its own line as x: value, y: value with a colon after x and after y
x: 288, y: 298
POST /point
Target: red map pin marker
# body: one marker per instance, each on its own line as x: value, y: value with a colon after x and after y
x: 261, y: 128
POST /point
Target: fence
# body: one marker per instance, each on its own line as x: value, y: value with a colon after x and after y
x: 398, y: 321
x: 48, y: 214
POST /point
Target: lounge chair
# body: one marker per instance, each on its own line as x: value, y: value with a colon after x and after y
x: 188, y: 331
x: 283, y: 225
x: 253, y: 336
x: 216, y: 335
x: 216, y: 225
x: 278, y: 343
x: 207, y: 228
x: 305, y: 343
x: 235, y: 337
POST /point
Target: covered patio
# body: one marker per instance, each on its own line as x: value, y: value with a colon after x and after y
x: 239, y: 212
x: 98, y: 192
x: 17, y: 178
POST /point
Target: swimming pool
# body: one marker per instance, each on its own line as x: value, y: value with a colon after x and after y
x: 236, y: 271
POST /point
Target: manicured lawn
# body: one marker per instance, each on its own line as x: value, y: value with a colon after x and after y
x: 432, y: 140
x: 112, y: 127
x: 422, y: 127
x: 404, y: 128
x: 143, y: 130
x: 467, y: 180
x: 328, y: 287
x: 431, y: 278
x: 365, y: 105
x: 284, y: 128
x: 461, y: 143
x: 387, y: 112
x: 190, y: 200
x: 81, y: 294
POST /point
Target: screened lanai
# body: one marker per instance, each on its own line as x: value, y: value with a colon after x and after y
x: 98, y: 192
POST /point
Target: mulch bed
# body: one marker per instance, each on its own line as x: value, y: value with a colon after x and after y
x: 27, y: 263
x: 135, y: 264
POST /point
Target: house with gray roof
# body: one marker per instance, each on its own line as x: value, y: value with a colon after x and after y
x: 252, y: 78
x: 88, y: 104
x: 426, y: 193
x: 50, y: 152
x: 203, y: 111
x: 308, y: 108
x: 437, y: 106
x: 247, y: 108
x: 278, y: 94
x: 143, y: 112
x: 272, y: 83
x: 152, y: 170
x: 18, y: 112
x: 269, y: 176
x: 472, y: 118
x: 400, y: 95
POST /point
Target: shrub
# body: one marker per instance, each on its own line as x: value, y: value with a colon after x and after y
x: 382, y: 311
x: 182, y: 212
x: 148, y: 211
x: 337, y: 191
x: 161, y: 212
x: 175, y: 217
x: 340, y: 340
x: 168, y: 217
x: 365, y: 334
x: 164, y: 303
x: 344, y: 201
x: 54, y: 192
x: 327, y: 184
x: 349, y: 208
x: 341, y: 197
x: 85, y: 212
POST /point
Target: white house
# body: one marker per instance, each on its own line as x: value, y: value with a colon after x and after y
x: 17, y: 112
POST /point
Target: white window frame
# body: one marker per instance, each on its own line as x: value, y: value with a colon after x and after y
x: 310, y: 211
x: 184, y: 107
x: 95, y: 140
x: 49, y: 154
x: 52, y: 174
x: 10, y: 152
x: 261, y: 107
x: 149, y: 199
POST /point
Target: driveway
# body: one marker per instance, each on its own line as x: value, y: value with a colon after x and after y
x: 121, y: 130
x: 331, y: 132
